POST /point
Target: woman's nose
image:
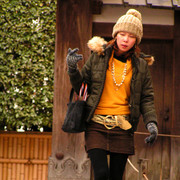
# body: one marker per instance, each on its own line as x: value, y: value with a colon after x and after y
x: 126, y: 38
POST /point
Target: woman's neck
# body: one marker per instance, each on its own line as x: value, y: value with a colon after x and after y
x: 118, y: 53
x: 120, y: 57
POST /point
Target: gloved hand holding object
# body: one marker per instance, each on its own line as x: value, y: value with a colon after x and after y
x: 152, y: 128
x: 73, y: 58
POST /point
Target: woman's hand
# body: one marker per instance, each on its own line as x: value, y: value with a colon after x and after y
x: 73, y: 58
x: 152, y: 128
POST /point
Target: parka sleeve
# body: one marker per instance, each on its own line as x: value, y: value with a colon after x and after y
x: 77, y: 77
x: 147, y: 106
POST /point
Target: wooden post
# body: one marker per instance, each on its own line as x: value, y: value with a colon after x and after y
x: 175, y: 142
x: 73, y: 29
x: 176, y: 124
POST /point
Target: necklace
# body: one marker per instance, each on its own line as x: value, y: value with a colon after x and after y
x: 123, y: 75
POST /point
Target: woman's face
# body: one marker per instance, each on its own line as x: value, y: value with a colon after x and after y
x: 125, y: 41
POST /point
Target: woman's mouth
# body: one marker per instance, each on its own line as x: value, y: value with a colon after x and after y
x: 124, y: 46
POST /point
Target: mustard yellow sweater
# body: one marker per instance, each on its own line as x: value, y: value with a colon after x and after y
x: 114, y: 99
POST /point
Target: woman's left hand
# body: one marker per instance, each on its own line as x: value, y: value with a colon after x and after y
x: 152, y: 128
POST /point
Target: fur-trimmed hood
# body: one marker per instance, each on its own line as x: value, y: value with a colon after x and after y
x: 98, y: 44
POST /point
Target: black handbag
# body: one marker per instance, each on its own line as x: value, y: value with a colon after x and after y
x: 74, y: 121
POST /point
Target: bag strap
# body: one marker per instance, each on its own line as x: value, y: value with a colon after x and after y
x: 71, y: 95
x: 82, y: 92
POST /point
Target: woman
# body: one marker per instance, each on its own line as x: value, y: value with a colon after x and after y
x: 119, y: 90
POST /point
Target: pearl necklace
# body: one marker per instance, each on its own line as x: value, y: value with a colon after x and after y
x: 123, y: 75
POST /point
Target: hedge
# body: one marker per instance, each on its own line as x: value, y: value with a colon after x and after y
x: 27, y: 45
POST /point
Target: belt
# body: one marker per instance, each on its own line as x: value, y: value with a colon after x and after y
x: 112, y: 121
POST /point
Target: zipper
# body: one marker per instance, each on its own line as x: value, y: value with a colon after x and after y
x: 101, y: 90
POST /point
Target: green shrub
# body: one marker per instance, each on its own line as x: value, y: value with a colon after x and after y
x: 27, y: 45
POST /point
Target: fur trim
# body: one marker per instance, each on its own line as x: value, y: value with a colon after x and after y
x: 150, y: 60
x: 96, y: 44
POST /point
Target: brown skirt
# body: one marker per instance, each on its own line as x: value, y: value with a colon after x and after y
x: 114, y: 140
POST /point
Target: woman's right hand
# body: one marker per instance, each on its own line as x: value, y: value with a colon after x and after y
x: 73, y: 58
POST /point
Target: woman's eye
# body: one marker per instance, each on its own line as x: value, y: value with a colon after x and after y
x: 122, y: 34
x: 132, y: 36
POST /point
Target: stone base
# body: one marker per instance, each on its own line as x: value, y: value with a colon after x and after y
x: 68, y: 169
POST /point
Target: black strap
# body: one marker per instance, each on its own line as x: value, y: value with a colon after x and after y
x: 71, y: 95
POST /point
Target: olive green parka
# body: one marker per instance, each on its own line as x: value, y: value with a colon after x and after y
x: 93, y: 72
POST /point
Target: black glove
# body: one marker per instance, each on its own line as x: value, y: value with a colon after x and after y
x: 152, y: 128
x: 72, y: 58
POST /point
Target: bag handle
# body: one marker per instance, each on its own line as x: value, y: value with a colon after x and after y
x: 82, y: 92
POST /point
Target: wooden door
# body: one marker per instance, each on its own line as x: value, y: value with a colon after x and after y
x: 157, y: 158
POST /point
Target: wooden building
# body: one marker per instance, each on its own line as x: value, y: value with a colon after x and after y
x: 77, y: 22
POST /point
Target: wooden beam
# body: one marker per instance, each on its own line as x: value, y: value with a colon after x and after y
x: 150, y: 31
x: 97, y: 6
x: 158, y: 32
x: 176, y: 75
x: 73, y: 29
x: 175, y: 143
x: 102, y: 29
x: 46, y: 135
x: 23, y: 161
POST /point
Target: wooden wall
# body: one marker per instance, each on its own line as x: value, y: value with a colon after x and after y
x: 24, y: 156
x: 175, y: 143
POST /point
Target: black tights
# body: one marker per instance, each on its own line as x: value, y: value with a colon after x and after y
x: 99, y: 163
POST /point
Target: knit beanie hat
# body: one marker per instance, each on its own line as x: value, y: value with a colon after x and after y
x: 130, y: 22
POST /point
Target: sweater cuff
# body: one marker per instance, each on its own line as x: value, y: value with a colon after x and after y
x: 72, y: 70
x: 150, y: 118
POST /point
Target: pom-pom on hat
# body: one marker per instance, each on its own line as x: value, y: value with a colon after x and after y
x: 130, y: 22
